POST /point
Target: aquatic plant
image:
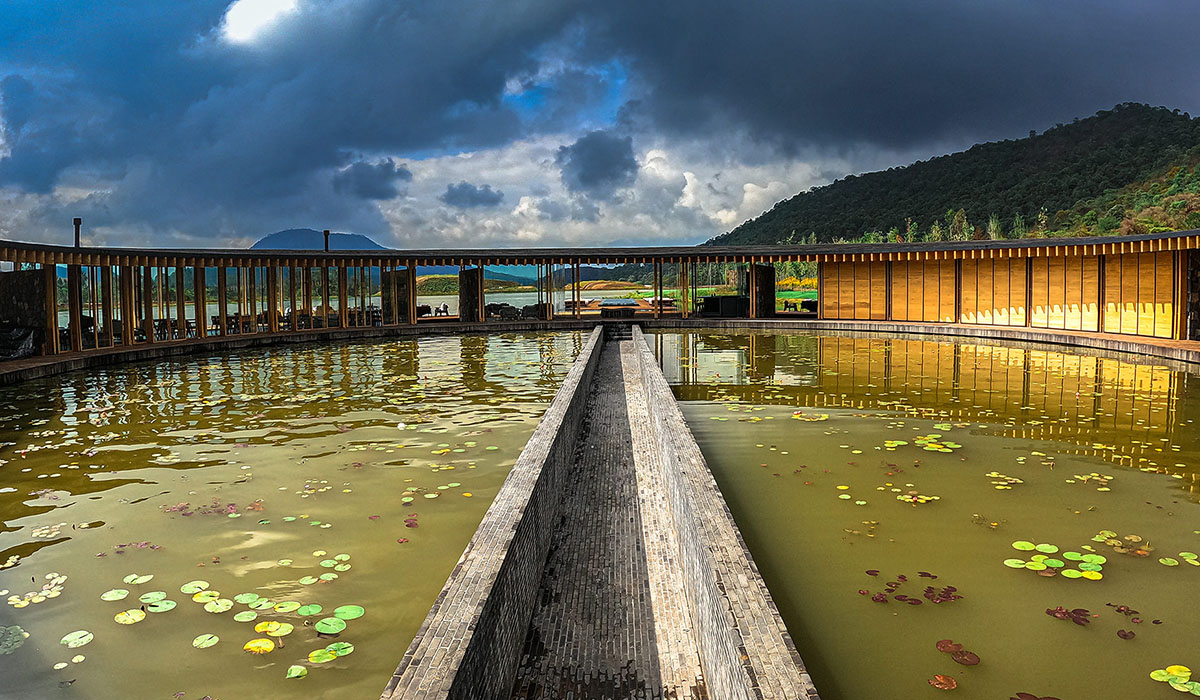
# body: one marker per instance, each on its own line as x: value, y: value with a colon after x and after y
x: 1179, y: 678
x: 1080, y: 616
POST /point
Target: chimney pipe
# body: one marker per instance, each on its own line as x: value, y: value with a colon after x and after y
x: 326, y: 240
x: 78, y: 224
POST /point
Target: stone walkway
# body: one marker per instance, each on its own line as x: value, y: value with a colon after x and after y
x: 610, y: 622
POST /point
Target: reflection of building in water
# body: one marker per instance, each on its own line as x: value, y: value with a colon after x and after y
x: 1126, y: 412
x: 472, y: 353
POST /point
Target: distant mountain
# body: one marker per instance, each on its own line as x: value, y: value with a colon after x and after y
x: 1126, y: 170
x: 309, y: 239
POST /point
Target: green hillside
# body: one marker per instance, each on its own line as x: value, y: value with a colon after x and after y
x: 1129, y: 169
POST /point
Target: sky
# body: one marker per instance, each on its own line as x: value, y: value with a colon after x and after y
x: 461, y: 123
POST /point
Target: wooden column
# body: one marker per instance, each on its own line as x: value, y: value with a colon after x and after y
x: 148, y: 302
x: 752, y: 288
x: 180, y: 303
x: 75, y: 306
x: 410, y: 273
x: 324, y: 293
x: 222, y: 295
x: 1028, y: 293
x: 820, y: 291
x: 50, y: 279
x: 252, y: 297
x: 200, y: 300
x: 295, y: 325
x: 128, y: 313
x: 343, y: 294
x: 106, y: 304
x: 272, y: 299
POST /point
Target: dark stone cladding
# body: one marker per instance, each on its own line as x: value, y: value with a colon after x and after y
x: 470, y: 643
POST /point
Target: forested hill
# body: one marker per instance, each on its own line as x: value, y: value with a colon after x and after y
x: 1129, y: 169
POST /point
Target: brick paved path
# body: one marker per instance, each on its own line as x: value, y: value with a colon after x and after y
x: 610, y: 622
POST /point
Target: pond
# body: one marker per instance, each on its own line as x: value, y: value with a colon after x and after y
x: 929, y: 515
x: 264, y: 524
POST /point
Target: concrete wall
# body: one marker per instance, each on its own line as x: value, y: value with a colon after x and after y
x: 745, y: 649
x: 23, y: 298
x: 470, y: 644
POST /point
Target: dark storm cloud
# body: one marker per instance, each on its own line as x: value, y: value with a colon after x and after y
x: 365, y: 180
x: 899, y: 74
x: 597, y: 164
x: 180, y: 133
x: 464, y: 195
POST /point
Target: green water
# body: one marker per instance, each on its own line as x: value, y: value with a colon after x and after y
x: 314, y: 450
x: 816, y: 498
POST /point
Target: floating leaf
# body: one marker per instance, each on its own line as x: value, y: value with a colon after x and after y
x: 138, y: 579
x: 947, y: 646
x: 261, y: 604
x: 308, y: 580
x: 152, y: 596
x: 341, y: 648
x: 287, y: 606
x: 114, y: 594
x: 1047, y: 548
x: 1168, y: 561
x: 246, y: 598
x: 330, y: 625
x: 1023, y: 546
x: 342, y: 557
x: 12, y: 638
x: 129, y: 617
x: 259, y: 646
x: 160, y: 606
x: 349, y: 612
x: 76, y: 639
x: 1015, y: 563
x: 966, y: 658
x: 296, y: 672
x: 218, y: 606
x: 943, y: 682
x: 328, y: 576
x: 321, y: 656
x: 206, y: 596
x: 274, y: 629
x: 310, y: 609
x: 193, y: 587
x: 246, y: 616
x: 205, y: 641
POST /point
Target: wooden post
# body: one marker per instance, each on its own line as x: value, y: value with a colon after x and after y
x: 106, y: 304
x: 658, y: 288
x: 411, y: 276
x: 128, y: 314
x: 75, y: 306
x: 148, y: 302
x: 752, y: 289
x: 343, y: 294
x: 324, y: 293
x: 180, y: 302
x: 272, y: 300
x: 820, y: 290
x: 222, y: 284
x: 252, y: 297
x: 292, y: 297
x: 1028, y: 296
x: 200, y: 300
x: 50, y: 279
x: 306, y: 290
x: 684, y: 288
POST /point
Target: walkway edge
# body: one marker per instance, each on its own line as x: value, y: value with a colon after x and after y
x: 471, y: 641
x: 745, y: 650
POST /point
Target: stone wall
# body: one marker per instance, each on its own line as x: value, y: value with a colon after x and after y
x: 746, y: 652
x: 23, y: 299
x: 470, y: 644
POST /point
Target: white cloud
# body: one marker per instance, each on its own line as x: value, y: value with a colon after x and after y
x: 245, y: 20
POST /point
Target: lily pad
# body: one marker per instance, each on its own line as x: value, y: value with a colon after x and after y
x: 330, y: 625
x: 152, y: 596
x: 271, y: 628
x: 206, y: 596
x: 328, y: 576
x: 942, y: 682
x: 261, y: 604
x: 12, y: 638
x: 246, y: 598
x: 1168, y: 561
x: 218, y: 606
x: 259, y: 646
x: 321, y: 656
x: 114, y: 594
x: 205, y: 641
x: 310, y: 609
x: 341, y: 648
x: 76, y: 639
x: 138, y: 579
x: 308, y: 580
x: 1015, y: 563
x: 1071, y: 573
x: 287, y: 606
x: 1047, y: 548
x: 1023, y: 546
x: 246, y: 616
x: 160, y: 606
x: 296, y: 672
x: 193, y: 587
x: 349, y: 612
x: 129, y: 617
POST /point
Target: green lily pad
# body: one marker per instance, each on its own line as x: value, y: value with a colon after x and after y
x: 114, y: 594
x: 328, y: 563
x: 310, y: 609
x: 206, y: 596
x: 261, y: 604
x: 308, y: 580
x: 328, y: 576
x: 1015, y: 563
x: 193, y: 587
x: 321, y: 656
x: 1035, y: 566
x: 341, y: 648
x: 1072, y: 556
x: 296, y: 672
x: 160, y: 606
x: 129, y: 617
x: 76, y: 639
x: 1095, y: 559
x: 152, y: 596
x: 218, y: 606
x: 246, y: 616
x: 349, y: 612
x: 1023, y: 546
x: 246, y: 598
x: 138, y: 579
x: 342, y: 557
x: 1047, y: 548
x: 1071, y: 573
x: 1088, y: 566
x: 205, y: 641
x: 1054, y: 563
x: 1038, y: 557
x: 330, y: 625
x: 1168, y: 561
x: 285, y: 562
x: 1187, y: 555
x: 342, y: 567
x: 287, y: 606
